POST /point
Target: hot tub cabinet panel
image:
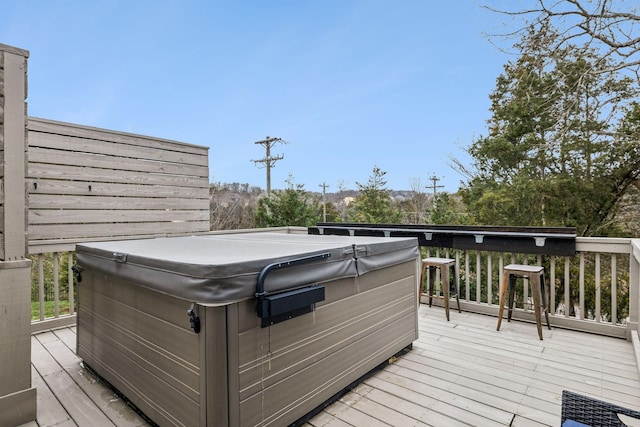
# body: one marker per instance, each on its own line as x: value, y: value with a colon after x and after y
x: 235, y: 371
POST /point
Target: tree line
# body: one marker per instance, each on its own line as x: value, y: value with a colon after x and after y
x: 561, y: 148
x: 371, y: 202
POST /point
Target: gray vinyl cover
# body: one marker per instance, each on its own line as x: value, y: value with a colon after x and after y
x: 215, y: 269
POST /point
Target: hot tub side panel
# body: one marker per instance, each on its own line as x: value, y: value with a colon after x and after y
x: 141, y: 342
x: 280, y: 373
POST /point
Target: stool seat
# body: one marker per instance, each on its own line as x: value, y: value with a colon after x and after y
x: 524, y: 268
x: 535, y: 274
x: 433, y: 263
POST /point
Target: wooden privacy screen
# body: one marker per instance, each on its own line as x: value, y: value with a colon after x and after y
x: 87, y: 184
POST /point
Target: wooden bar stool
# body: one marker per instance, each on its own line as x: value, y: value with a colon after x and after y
x: 443, y: 264
x: 535, y: 274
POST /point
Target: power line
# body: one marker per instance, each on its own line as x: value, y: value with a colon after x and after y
x: 268, y: 160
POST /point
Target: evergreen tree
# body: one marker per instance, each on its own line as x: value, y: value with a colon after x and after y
x: 373, y: 205
x: 549, y: 158
x: 447, y: 209
x: 290, y: 207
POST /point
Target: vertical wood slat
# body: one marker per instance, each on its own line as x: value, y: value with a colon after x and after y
x: 489, y: 279
x: 70, y: 276
x: 478, y: 278
x: 552, y: 285
x: 581, y: 283
x: 598, y: 313
x: 575, y: 279
x: 525, y: 288
x: 41, y: 284
x: 56, y: 286
x: 467, y: 288
x: 456, y: 268
x: 500, y: 269
x: 614, y: 289
x: 567, y: 284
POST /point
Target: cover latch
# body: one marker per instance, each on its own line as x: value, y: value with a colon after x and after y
x: 194, y: 319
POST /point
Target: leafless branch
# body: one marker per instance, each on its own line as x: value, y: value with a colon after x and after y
x: 600, y: 24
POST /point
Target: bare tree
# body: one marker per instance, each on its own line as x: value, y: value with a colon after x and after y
x: 611, y: 27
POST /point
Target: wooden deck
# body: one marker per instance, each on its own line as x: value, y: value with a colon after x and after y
x: 461, y: 372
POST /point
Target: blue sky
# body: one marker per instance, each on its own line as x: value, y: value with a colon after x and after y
x: 349, y: 84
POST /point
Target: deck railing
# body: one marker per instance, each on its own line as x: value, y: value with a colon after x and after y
x: 592, y: 291
x: 597, y: 290
x: 53, y: 286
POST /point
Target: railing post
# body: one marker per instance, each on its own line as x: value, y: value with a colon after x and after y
x: 634, y: 287
x: 17, y: 396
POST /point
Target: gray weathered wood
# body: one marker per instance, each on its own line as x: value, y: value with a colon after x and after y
x: 72, y: 158
x: 75, y: 130
x: 81, y: 173
x: 117, y: 229
x: 38, y: 201
x: 39, y: 217
x: 461, y: 372
x: 127, y: 150
x: 14, y: 136
x: 86, y: 183
x: 91, y: 188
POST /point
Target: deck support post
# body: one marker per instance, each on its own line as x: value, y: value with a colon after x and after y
x: 17, y: 396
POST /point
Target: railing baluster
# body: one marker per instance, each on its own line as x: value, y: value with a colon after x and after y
x: 552, y: 285
x: 489, y: 279
x: 70, y: 274
x: 467, y: 288
x: 567, y: 280
x: 582, y: 297
x: 525, y: 288
x: 457, y: 270
x: 614, y: 289
x: 598, y: 291
x: 500, y: 270
x: 56, y: 286
x: 581, y: 279
x: 478, y: 278
x: 41, y: 285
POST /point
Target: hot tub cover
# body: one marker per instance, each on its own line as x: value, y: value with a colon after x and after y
x: 220, y: 269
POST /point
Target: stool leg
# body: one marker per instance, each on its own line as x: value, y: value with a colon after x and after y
x: 432, y: 279
x: 503, y: 292
x: 545, y: 304
x: 537, y: 297
x: 421, y: 284
x: 444, y: 278
x: 456, y: 288
x: 512, y: 294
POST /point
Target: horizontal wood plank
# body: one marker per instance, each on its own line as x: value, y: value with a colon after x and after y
x: 89, y: 188
x: 41, y: 216
x: 71, y: 231
x: 99, y: 147
x: 35, y: 124
x: 44, y: 201
x: 40, y: 171
x: 113, y: 163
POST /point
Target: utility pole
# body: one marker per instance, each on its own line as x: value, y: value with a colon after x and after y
x: 324, y: 186
x: 268, y: 160
x: 435, y: 180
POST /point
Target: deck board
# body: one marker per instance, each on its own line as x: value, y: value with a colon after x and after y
x: 459, y: 373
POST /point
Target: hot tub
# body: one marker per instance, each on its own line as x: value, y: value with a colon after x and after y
x: 247, y: 329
